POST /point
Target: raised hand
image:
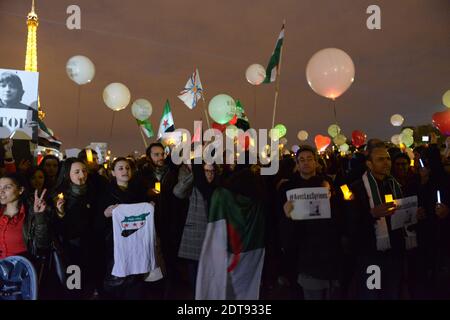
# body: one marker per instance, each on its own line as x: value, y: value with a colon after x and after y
x: 39, y: 205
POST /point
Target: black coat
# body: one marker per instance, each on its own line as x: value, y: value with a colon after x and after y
x: 316, y: 244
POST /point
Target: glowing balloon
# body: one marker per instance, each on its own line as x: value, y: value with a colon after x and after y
x: 283, y: 141
x: 446, y: 99
x: 397, y: 120
x: 441, y: 120
x: 295, y: 148
x: 80, y: 69
x: 281, y: 129
x: 116, y: 96
x: 278, y: 132
x: 406, y: 139
x: 340, y: 139
x: 344, y: 147
x: 255, y: 74
x: 302, y: 135
x: 322, y: 142
x: 330, y: 72
x: 222, y: 108
x: 358, y: 138
x: 334, y: 130
x: 408, y: 131
x: 141, y: 109
x: 395, y: 139
x: 231, y: 131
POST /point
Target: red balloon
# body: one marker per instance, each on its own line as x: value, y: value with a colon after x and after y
x: 441, y: 120
x: 322, y: 142
x: 220, y: 127
x: 234, y: 120
x: 358, y: 138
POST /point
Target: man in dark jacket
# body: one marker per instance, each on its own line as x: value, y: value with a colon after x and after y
x: 315, y: 243
x: 369, y: 226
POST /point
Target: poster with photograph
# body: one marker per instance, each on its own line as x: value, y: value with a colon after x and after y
x: 310, y: 203
x: 405, y: 214
x: 18, y: 104
x: 101, y: 148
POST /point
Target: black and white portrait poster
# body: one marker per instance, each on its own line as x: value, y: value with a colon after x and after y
x: 18, y: 104
x: 310, y: 203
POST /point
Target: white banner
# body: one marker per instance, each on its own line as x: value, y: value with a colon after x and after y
x: 405, y: 214
x: 310, y: 203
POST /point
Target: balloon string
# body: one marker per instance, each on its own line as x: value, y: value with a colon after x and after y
x: 334, y: 109
x: 78, y: 114
x: 112, y: 125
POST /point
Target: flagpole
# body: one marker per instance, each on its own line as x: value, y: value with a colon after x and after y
x: 277, y: 86
x: 143, y: 137
x: 204, y: 110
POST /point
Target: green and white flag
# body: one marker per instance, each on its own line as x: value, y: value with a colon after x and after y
x: 232, y: 256
x: 272, y: 67
x: 146, y: 127
x: 166, y: 124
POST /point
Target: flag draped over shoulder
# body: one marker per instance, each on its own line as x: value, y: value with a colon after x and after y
x: 146, y: 127
x: 166, y: 124
x: 271, y: 71
x: 232, y: 255
x: 192, y: 91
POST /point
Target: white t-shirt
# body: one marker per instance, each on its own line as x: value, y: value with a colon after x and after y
x: 134, y: 239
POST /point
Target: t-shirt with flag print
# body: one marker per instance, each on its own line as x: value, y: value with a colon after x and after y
x: 134, y: 239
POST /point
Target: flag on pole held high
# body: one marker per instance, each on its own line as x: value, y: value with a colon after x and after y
x: 272, y: 67
x: 166, y: 124
x: 146, y: 127
x: 193, y: 91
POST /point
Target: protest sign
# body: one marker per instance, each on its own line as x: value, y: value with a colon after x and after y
x: 310, y: 203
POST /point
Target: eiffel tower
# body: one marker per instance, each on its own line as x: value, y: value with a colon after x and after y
x: 31, y: 53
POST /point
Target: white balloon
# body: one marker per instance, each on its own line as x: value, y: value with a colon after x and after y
x: 295, y: 148
x: 141, y: 109
x: 395, y: 139
x: 330, y: 72
x: 116, y: 96
x: 340, y: 139
x: 80, y: 69
x: 334, y: 130
x: 255, y: 74
x: 302, y: 135
x: 397, y: 120
x: 344, y: 147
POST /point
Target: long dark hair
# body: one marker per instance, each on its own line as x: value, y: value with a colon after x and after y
x: 63, y: 181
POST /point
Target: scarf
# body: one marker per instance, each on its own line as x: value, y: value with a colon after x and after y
x: 160, y: 172
x: 381, y: 229
x: 77, y: 190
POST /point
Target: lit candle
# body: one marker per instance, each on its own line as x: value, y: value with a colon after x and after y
x: 105, y: 165
x: 61, y: 196
x: 388, y: 198
x: 89, y: 157
x: 412, y: 163
x: 438, y: 197
x: 158, y: 186
x: 346, y: 191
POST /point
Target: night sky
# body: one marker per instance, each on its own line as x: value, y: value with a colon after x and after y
x: 153, y: 46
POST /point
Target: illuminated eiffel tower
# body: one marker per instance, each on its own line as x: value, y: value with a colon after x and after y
x: 31, y: 53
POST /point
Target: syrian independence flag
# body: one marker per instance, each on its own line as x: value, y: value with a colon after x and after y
x: 146, y: 127
x: 272, y: 67
x: 242, y: 119
x: 166, y: 124
x: 46, y: 138
x: 192, y: 91
x: 132, y: 224
x: 232, y: 256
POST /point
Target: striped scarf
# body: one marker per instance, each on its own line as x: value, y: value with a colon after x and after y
x: 381, y: 229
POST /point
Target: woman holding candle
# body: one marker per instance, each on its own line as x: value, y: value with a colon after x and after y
x: 76, y: 223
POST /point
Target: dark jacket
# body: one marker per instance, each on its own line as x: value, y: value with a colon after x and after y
x: 361, y: 224
x: 316, y: 244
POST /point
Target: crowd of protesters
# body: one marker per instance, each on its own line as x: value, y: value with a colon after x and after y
x: 59, y: 213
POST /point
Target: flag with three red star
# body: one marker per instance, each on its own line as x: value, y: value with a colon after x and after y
x: 166, y: 124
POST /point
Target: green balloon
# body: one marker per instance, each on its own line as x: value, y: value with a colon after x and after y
x: 334, y: 130
x: 222, y: 108
x: 281, y: 130
x: 407, y: 139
